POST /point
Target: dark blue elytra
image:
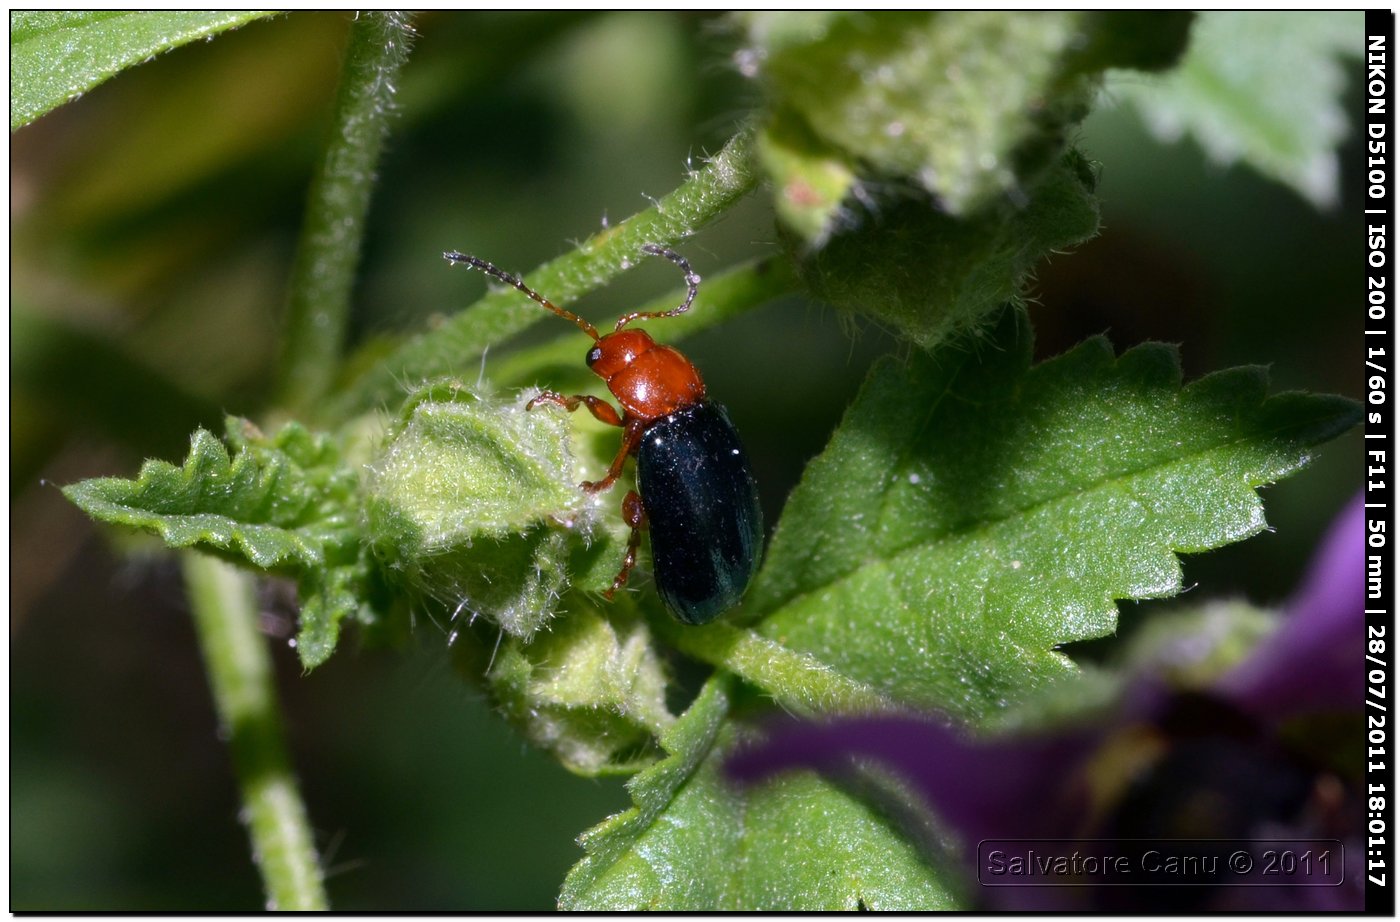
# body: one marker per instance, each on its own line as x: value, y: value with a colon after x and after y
x: 702, y: 511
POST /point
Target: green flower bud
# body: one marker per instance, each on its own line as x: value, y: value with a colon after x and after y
x: 472, y: 500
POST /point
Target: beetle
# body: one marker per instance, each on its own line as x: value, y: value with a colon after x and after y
x: 695, y: 493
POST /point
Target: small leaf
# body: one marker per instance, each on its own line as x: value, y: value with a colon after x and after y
x: 261, y: 505
x: 285, y: 503
x: 58, y: 56
x: 328, y: 596
x: 812, y: 181
x: 470, y: 501
x: 1262, y: 87
x: 930, y: 275
x: 943, y: 561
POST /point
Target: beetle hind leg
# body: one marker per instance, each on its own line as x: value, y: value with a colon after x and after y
x: 635, y: 515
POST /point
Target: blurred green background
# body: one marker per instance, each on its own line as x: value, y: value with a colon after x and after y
x: 153, y: 223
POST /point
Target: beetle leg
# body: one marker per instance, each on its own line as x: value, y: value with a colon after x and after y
x: 635, y: 515
x: 631, y: 438
x: 601, y: 409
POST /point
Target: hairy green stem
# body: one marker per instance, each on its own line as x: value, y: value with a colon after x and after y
x: 705, y: 195
x: 323, y: 273
x: 240, y: 676
x: 723, y: 297
x: 800, y: 683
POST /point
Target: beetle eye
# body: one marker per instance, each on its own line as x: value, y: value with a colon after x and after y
x: 594, y: 355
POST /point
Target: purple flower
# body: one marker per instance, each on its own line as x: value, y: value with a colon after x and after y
x: 1311, y: 663
x: 1165, y: 765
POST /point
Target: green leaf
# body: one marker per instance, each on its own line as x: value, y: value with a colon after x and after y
x: 262, y: 505
x: 614, y: 858
x: 1260, y: 87
x: 928, y: 97
x: 285, y: 503
x: 930, y: 275
x: 693, y: 843
x: 470, y: 501
x: 810, y: 846
x: 58, y: 56
x: 328, y: 596
x: 972, y: 513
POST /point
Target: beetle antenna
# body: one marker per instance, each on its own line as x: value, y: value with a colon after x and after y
x: 453, y: 256
x: 692, y: 282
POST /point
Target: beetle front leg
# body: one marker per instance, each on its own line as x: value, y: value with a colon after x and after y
x: 601, y: 409
x: 635, y: 515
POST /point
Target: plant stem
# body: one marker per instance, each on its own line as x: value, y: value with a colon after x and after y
x: 705, y: 195
x: 240, y: 677
x: 798, y: 682
x: 722, y: 297
x: 323, y: 273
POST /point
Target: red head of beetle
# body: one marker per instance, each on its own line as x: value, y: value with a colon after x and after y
x: 649, y: 380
